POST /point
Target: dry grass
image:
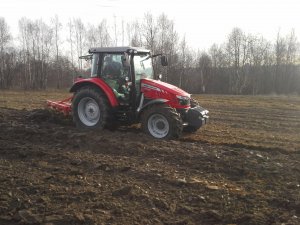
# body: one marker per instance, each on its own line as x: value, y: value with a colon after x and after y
x: 258, y: 122
x: 30, y: 99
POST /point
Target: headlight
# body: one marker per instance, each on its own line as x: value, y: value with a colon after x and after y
x: 183, y: 100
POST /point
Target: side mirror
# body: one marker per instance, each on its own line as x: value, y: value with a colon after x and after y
x: 125, y: 60
x: 164, y: 60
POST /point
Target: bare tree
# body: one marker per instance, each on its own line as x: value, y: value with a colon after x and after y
x: 104, y: 38
x: 123, y: 33
x: 243, y: 64
x: 5, y: 37
x: 24, y: 40
x: 115, y: 30
x: 292, y: 44
x: 46, y: 45
x: 291, y: 72
x: 80, y: 39
x: 280, y: 49
x: 280, y: 56
x: 218, y: 56
x: 259, y: 58
x: 167, y: 44
x: 204, y: 65
x: 71, y: 40
x: 91, y: 36
x: 183, y: 59
x: 149, y: 29
x: 57, y: 26
x: 238, y: 52
x: 133, y: 34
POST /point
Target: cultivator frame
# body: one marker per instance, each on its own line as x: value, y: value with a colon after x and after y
x: 63, y: 106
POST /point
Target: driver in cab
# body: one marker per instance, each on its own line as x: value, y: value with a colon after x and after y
x: 111, y: 74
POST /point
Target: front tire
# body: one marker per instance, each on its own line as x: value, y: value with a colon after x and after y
x: 162, y: 122
x: 90, y: 109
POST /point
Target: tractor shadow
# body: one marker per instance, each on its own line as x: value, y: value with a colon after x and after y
x: 135, y: 128
x: 52, y: 117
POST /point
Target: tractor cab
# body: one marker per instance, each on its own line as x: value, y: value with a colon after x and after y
x: 122, y: 70
x: 123, y: 88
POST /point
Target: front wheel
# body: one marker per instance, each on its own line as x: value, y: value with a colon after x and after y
x: 161, y: 121
x: 90, y: 109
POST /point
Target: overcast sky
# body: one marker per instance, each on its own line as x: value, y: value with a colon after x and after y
x: 203, y: 22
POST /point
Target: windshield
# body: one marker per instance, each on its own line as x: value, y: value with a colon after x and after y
x: 143, y: 67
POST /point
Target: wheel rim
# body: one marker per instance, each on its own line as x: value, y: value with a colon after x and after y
x: 88, y: 111
x: 158, y: 126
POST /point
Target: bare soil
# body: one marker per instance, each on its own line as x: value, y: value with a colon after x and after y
x: 242, y: 168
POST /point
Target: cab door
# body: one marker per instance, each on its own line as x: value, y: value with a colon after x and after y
x: 116, y: 75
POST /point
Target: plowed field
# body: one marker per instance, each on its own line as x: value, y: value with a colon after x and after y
x: 242, y: 168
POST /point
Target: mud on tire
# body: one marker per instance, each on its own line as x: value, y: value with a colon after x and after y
x: 90, y: 109
x: 161, y: 121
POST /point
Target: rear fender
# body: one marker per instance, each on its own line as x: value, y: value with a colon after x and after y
x: 99, y: 84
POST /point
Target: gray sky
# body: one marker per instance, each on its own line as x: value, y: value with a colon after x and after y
x: 203, y: 22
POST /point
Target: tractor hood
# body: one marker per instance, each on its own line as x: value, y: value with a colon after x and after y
x: 157, y: 84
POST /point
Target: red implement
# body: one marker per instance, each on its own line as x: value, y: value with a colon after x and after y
x: 63, y: 106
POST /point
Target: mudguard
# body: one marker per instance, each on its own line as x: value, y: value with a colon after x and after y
x: 152, y: 102
x: 98, y: 83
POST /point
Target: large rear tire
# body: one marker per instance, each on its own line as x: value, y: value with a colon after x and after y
x: 162, y: 122
x: 90, y: 109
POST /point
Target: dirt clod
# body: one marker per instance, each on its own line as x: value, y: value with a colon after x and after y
x: 28, y: 217
x: 122, y: 191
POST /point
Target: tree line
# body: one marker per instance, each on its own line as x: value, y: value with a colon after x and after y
x: 45, y: 55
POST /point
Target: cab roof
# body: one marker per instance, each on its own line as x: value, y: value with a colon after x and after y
x: 127, y: 49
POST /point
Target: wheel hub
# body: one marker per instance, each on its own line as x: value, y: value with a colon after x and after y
x: 88, y: 111
x: 158, y: 126
x: 92, y: 110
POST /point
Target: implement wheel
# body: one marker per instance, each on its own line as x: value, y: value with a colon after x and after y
x: 90, y: 109
x: 161, y: 121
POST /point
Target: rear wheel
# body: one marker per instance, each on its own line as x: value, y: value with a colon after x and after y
x: 90, y: 109
x: 161, y: 121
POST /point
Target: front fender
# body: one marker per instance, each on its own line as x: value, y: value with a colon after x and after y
x: 152, y: 102
x: 98, y: 84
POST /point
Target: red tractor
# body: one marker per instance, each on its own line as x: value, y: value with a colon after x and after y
x: 123, y: 88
